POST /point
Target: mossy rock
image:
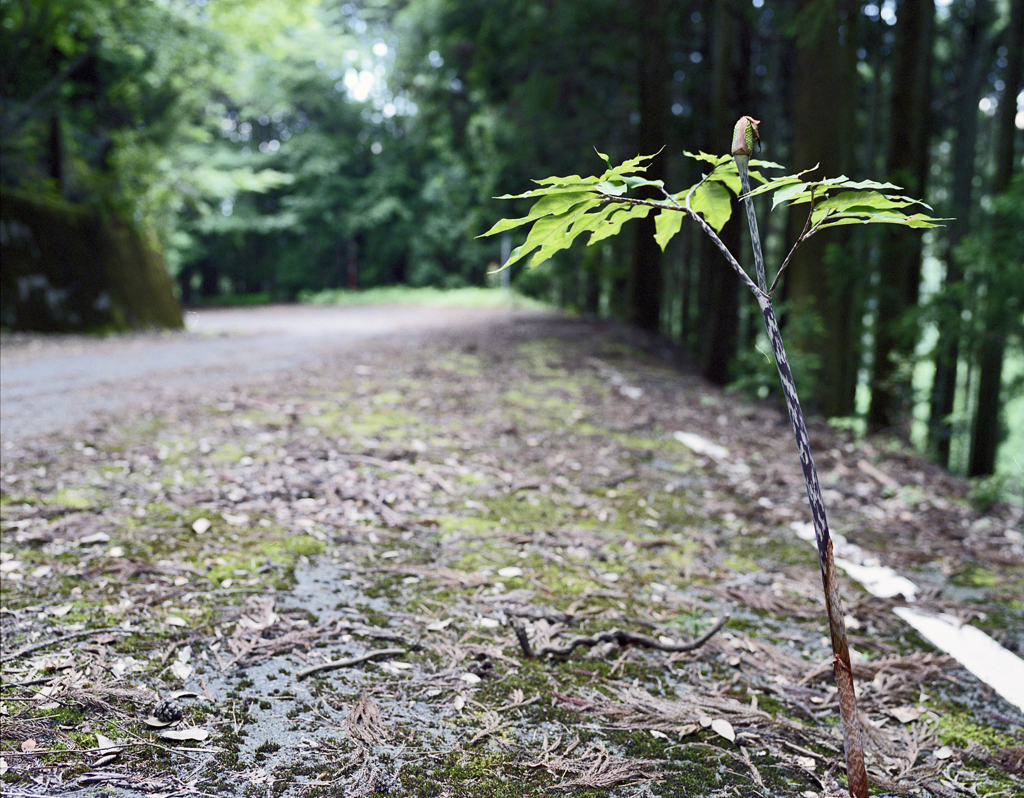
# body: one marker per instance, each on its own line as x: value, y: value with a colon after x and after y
x: 67, y: 268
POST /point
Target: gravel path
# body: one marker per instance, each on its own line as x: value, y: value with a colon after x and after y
x: 55, y: 383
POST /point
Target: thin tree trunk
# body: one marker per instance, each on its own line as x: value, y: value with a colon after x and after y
x: 824, y: 121
x: 720, y: 288
x: 645, y: 296
x: 985, y: 434
x: 908, y: 161
x: 940, y: 431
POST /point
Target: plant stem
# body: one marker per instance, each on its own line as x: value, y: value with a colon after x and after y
x: 852, y: 739
x: 755, y: 238
x: 853, y: 742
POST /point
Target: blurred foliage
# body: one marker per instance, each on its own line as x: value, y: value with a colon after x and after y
x: 282, y: 146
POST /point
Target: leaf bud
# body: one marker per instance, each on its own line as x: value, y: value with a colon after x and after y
x: 744, y: 135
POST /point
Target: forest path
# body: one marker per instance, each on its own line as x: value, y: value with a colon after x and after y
x: 53, y: 384
x: 317, y: 581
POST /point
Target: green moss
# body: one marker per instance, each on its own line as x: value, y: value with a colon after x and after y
x: 959, y: 729
x: 976, y: 577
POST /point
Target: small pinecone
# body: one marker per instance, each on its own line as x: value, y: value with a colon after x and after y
x: 167, y: 711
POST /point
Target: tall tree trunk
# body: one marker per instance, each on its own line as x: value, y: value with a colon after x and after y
x: 824, y: 131
x: 645, y: 296
x: 985, y: 434
x: 947, y: 350
x: 907, y: 165
x: 719, y: 287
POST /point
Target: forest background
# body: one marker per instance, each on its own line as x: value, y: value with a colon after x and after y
x: 278, y: 148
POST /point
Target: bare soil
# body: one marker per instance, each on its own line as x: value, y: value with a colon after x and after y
x: 328, y: 580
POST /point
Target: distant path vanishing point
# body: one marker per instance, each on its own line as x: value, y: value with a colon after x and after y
x: 52, y: 384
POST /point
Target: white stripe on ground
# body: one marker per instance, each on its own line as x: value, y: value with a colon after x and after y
x: 1000, y: 669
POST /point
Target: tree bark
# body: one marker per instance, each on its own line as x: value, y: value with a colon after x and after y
x: 719, y: 287
x: 824, y: 125
x: 646, y: 284
x: 985, y: 437
x: 907, y: 166
x: 947, y: 350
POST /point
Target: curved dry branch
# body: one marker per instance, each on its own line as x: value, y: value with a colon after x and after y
x: 621, y: 637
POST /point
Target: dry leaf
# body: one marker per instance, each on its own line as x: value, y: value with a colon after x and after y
x: 185, y: 734
x: 28, y: 746
x: 437, y: 626
x: 105, y: 744
x: 905, y: 714
x: 182, y: 670
x: 723, y: 728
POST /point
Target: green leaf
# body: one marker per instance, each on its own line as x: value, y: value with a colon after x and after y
x: 636, y: 164
x: 756, y: 163
x: 875, y: 217
x: 666, y: 225
x: 548, y: 204
x: 611, y: 226
x: 565, y: 229
x: 714, y: 160
x: 637, y: 182
x: 552, y: 233
x: 614, y: 187
x: 712, y: 201
x: 868, y: 200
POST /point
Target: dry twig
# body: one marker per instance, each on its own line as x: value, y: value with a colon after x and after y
x: 621, y: 637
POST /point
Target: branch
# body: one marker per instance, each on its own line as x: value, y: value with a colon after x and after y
x: 718, y: 242
x: 635, y: 201
x: 803, y: 237
x: 348, y: 663
x: 621, y: 637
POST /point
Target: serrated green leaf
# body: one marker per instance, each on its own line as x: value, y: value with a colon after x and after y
x: 615, y: 188
x: 666, y: 225
x: 562, y: 235
x: 555, y: 203
x: 859, y: 184
x: 613, y: 223
x: 570, y: 180
x: 714, y: 160
x: 874, y: 217
x: 866, y: 200
x: 778, y: 182
x: 712, y: 201
x: 637, y: 182
x: 789, y: 193
x: 552, y: 233
x: 757, y: 163
x: 636, y: 164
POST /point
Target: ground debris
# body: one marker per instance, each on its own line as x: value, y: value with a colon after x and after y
x: 522, y: 481
x: 591, y: 764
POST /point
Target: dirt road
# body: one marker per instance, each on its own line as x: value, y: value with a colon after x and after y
x: 50, y: 384
x: 471, y: 563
